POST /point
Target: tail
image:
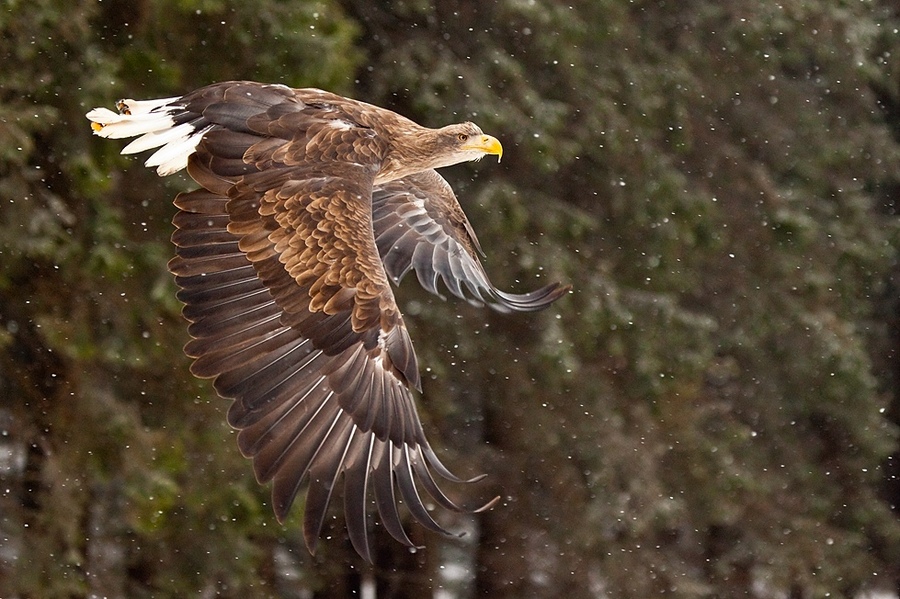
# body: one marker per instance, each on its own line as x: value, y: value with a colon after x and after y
x: 163, y: 124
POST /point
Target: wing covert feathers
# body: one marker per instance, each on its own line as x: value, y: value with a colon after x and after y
x: 306, y: 211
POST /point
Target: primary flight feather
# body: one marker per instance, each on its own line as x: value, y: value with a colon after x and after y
x: 309, y: 204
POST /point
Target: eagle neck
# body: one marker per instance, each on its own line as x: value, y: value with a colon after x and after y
x: 413, y: 151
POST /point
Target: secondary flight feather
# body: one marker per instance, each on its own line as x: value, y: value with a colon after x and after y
x: 310, y: 204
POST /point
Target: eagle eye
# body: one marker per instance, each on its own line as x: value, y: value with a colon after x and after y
x: 462, y: 137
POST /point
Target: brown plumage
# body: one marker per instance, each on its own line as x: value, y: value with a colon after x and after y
x: 309, y: 203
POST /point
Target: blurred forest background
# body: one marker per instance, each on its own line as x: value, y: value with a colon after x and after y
x: 713, y: 411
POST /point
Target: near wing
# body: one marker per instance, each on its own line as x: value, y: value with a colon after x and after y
x: 419, y: 225
x: 292, y: 313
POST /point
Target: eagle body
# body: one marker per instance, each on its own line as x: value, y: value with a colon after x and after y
x: 309, y: 206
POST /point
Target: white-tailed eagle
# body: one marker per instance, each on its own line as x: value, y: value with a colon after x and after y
x: 309, y: 205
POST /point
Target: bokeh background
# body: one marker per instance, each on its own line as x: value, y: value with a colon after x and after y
x: 712, y: 412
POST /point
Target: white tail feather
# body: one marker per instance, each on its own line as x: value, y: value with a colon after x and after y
x: 134, y: 107
x: 152, y: 123
x: 102, y: 115
x: 173, y: 156
x: 154, y: 139
x: 116, y: 126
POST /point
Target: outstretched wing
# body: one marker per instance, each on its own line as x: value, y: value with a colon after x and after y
x: 419, y: 225
x: 291, y: 310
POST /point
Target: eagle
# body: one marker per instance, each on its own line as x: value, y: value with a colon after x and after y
x: 310, y: 205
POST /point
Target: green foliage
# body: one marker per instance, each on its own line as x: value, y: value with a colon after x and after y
x: 185, y: 42
x: 704, y: 415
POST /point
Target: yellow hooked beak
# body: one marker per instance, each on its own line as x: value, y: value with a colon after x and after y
x: 487, y: 144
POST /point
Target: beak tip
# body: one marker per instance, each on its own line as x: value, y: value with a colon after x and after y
x: 495, y: 147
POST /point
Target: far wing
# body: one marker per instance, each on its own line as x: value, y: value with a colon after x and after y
x: 419, y: 225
